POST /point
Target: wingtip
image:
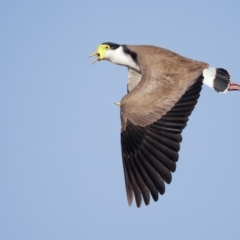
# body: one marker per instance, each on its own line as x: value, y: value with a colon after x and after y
x: 130, y: 199
x: 129, y: 203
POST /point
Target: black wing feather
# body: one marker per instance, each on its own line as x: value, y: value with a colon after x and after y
x: 150, y: 153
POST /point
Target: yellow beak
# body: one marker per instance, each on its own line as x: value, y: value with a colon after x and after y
x: 100, y: 53
x: 93, y: 54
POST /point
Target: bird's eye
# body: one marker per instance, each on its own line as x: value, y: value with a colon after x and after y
x: 107, y: 47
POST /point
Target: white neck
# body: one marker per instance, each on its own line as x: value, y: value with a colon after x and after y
x: 118, y: 56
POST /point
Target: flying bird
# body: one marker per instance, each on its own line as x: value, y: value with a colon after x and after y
x: 163, y: 88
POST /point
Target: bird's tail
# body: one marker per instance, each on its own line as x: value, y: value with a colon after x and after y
x: 219, y: 80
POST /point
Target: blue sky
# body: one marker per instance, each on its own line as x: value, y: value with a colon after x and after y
x: 61, y: 174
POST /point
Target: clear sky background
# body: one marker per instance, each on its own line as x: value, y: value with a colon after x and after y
x: 61, y: 174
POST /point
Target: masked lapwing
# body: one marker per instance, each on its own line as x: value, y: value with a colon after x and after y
x: 163, y: 89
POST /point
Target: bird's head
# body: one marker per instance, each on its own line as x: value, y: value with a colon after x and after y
x: 104, y: 51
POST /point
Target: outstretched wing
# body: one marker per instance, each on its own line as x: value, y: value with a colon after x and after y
x: 150, y: 150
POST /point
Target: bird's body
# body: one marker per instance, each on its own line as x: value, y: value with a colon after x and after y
x: 163, y: 89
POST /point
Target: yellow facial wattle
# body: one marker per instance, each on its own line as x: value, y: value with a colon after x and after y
x: 101, y: 50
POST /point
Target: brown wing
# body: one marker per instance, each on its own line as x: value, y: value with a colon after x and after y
x: 165, y: 77
x: 150, y: 152
x: 156, y: 94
